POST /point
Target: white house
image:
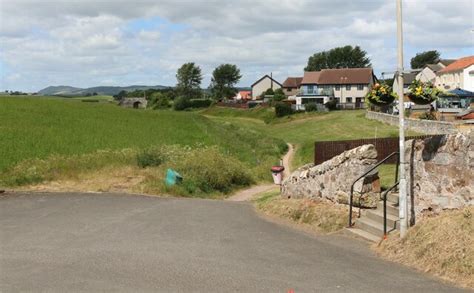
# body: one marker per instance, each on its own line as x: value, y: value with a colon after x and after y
x: 459, y: 74
x: 263, y: 84
x: 429, y: 71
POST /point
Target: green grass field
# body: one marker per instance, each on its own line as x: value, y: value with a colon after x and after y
x: 34, y: 127
x: 42, y: 127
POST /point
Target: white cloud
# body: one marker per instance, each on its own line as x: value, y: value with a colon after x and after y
x: 84, y: 43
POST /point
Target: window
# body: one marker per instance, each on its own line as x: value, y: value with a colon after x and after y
x: 338, y: 87
x: 310, y: 89
x: 360, y: 87
x: 348, y: 87
x: 349, y: 100
x: 405, y: 86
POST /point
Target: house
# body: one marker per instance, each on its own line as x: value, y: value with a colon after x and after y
x: 243, y: 95
x: 347, y: 86
x: 459, y: 74
x: 429, y: 71
x: 291, y: 86
x: 263, y: 84
x: 408, y: 78
x: 133, y: 102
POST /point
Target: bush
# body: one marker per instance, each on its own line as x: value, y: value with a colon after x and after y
x: 283, y: 109
x: 269, y: 92
x: 149, y: 158
x: 279, y: 95
x: 181, y: 103
x: 311, y: 107
x: 199, y: 103
x: 210, y: 170
x: 331, y: 105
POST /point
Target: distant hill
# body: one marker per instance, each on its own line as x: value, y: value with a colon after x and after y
x: 100, y: 90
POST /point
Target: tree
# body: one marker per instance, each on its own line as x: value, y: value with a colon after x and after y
x: 120, y: 95
x: 224, y: 78
x: 423, y: 58
x: 189, y: 81
x: 340, y: 57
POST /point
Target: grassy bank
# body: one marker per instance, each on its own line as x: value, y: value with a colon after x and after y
x: 442, y: 245
x: 304, y: 129
x: 47, y: 134
x: 319, y: 216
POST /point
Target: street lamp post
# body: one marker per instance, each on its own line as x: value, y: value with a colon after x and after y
x: 403, y: 203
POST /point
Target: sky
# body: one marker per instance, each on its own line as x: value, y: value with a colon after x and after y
x: 85, y: 43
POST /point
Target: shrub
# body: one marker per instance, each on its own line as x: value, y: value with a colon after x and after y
x: 331, y: 105
x: 199, y: 103
x: 269, y: 92
x: 149, y: 158
x: 181, y: 103
x: 279, y: 95
x: 283, y: 109
x: 210, y: 170
x: 311, y: 107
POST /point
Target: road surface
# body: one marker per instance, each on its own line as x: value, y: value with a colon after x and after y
x: 124, y: 243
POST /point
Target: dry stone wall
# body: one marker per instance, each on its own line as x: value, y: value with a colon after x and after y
x: 333, y: 178
x: 441, y: 173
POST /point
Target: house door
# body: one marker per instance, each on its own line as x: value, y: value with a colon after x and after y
x: 358, y: 104
x: 136, y: 105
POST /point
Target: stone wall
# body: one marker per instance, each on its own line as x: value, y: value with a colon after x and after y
x: 441, y: 172
x: 421, y: 126
x: 332, y: 179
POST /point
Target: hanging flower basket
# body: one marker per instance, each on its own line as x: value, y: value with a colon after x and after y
x: 423, y: 93
x: 380, y: 95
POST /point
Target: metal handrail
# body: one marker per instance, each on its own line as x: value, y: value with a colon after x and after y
x: 385, y: 208
x: 362, y: 176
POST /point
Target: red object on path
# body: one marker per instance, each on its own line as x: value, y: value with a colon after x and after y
x: 278, y: 169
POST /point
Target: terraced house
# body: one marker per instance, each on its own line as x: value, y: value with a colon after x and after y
x: 348, y: 86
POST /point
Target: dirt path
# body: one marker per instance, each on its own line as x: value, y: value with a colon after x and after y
x: 249, y: 193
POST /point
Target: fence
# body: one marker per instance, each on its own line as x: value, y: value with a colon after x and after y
x: 326, y: 150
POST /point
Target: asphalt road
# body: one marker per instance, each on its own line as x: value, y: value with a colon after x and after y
x: 90, y: 242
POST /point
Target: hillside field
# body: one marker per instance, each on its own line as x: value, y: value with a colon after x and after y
x: 38, y: 128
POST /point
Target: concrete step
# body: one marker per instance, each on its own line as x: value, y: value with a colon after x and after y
x: 361, y: 234
x: 377, y: 216
x: 392, y: 209
x: 391, y: 197
x: 369, y: 226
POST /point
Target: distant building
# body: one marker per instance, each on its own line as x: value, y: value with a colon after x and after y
x: 243, y: 95
x: 408, y: 78
x: 291, y: 86
x: 133, y: 102
x: 348, y: 86
x: 459, y: 74
x: 263, y: 84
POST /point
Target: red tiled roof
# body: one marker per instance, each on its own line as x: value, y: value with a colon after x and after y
x: 310, y: 77
x: 292, y: 82
x: 458, y: 64
x: 245, y: 94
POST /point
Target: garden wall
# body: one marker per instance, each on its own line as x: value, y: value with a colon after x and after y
x: 441, y: 172
x: 422, y: 126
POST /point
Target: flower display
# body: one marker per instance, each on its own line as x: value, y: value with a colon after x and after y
x: 380, y: 95
x: 423, y: 93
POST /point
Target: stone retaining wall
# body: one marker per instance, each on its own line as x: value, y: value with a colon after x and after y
x: 421, y: 126
x: 441, y: 171
x: 332, y: 179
